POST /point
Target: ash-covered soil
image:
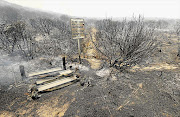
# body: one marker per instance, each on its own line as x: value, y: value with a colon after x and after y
x: 130, y: 95
x: 119, y: 94
x: 127, y: 94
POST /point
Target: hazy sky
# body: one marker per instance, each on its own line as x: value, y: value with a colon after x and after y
x: 107, y: 8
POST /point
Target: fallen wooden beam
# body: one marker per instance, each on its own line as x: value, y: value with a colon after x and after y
x: 61, y: 75
x: 58, y: 87
x: 43, y: 80
x: 66, y: 72
x: 56, y: 83
x: 50, y: 73
x: 44, y: 72
x: 47, y: 75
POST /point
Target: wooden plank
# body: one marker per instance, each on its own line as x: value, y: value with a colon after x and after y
x: 65, y: 74
x: 59, y: 70
x: 58, y: 87
x: 54, y: 74
x: 48, y: 75
x: 56, y: 83
x: 44, y: 72
x: 42, y: 81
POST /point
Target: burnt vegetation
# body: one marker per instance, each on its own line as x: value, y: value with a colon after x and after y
x: 22, y: 36
x: 122, y: 43
x: 130, y: 67
x: 125, y: 43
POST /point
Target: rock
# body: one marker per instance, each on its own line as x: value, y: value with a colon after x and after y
x: 103, y: 72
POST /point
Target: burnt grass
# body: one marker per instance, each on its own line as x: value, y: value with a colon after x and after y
x: 131, y: 94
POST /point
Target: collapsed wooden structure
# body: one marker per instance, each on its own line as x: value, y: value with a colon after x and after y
x: 51, y: 79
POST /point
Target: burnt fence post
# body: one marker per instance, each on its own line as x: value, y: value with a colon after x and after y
x: 23, y: 75
x: 64, y: 63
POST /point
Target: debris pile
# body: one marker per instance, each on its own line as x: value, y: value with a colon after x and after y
x: 51, y: 79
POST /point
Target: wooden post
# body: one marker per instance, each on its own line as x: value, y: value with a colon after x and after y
x: 23, y: 75
x: 64, y: 63
x: 79, y: 50
x: 178, y: 46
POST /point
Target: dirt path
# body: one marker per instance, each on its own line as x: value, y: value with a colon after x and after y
x: 90, y: 51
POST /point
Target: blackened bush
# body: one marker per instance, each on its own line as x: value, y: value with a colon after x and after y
x: 124, y: 43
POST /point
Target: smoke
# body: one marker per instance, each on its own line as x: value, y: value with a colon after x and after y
x: 9, y: 70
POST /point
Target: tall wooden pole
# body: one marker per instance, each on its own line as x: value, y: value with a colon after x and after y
x: 79, y: 50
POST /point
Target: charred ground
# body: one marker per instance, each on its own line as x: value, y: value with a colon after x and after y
x: 118, y: 83
x: 131, y: 94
